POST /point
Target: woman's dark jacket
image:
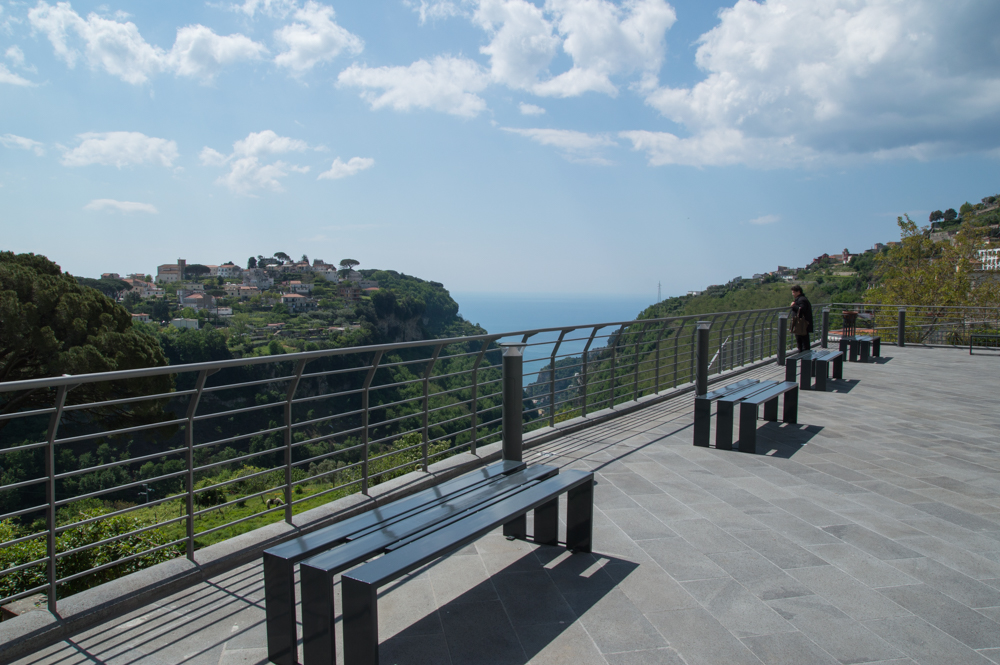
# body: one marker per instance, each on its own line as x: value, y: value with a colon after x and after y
x: 803, y: 305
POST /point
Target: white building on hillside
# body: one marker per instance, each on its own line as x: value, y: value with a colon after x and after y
x: 990, y: 258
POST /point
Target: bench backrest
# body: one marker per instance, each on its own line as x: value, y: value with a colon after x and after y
x: 748, y: 391
x: 771, y: 392
x: 731, y: 388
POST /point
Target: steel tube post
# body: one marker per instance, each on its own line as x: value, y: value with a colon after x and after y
x: 583, y: 386
x: 475, y: 394
x: 513, y: 400
x: 782, y: 337
x: 364, y: 420
x: 292, y: 387
x: 427, y: 382
x: 901, y: 328
x: 701, y: 370
x: 50, y: 492
x: 552, y: 383
x: 824, y: 340
x: 638, y: 356
x: 189, y: 459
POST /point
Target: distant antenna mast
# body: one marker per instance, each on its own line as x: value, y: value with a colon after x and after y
x: 659, y: 296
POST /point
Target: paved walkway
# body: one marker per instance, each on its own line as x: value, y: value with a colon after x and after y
x: 870, y: 534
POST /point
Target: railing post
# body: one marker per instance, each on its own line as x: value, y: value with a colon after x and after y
x: 824, y: 340
x: 782, y: 337
x: 701, y: 368
x: 614, y: 366
x: 585, y: 378
x: 513, y: 400
x: 901, y: 328
x: 427, y: 382
x: 199, y: 388
x: 552, y: 383
x: 475, y: 394
x: 50, y: 492
x: 638, y: 356
x: 293, y: 386
x: 364, y: 420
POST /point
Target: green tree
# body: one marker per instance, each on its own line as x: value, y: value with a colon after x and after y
x: 936, y: 216
x: 52, y: 325
x: 251, y: 263
x: 950, y: 215
x: 282, y: 256
x: 347, y: 265
x: 197, y: 270
x: 965, y: 209
x: 920, y: 271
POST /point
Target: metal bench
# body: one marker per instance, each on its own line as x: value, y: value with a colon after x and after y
x: 983, y: 336
x: 814, y: 363
x: 725, y: 409
x: 280, y: 561
x: 769, y: 398
x: 317, y: 572
x: 359, y: 588
x: 703, y: 410
x: 861, y: 347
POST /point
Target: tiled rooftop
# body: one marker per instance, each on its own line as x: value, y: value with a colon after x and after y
x: 870, y: 534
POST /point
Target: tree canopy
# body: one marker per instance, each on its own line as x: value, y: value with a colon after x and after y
x: 251, y: 263
x: 920, y: 271
x: 196, y: 269
x: 52, y: 326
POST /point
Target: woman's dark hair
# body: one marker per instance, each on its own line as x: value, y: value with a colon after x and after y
x: 797, y: 289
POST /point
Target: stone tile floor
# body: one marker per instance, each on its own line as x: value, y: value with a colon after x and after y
x: 869, y: 534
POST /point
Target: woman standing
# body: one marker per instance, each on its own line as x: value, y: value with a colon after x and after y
x: 802, y: 309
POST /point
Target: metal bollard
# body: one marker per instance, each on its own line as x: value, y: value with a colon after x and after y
x: 901, y: 328
x: 782, y: 337
x: 513, y: 400
x: 701, y: 365
x: 824, y: 340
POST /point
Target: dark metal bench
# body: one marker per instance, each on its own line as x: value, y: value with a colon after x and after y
x: 279, y: 561
x: 814, y: 363
x: 703, y: 410
x: 769, y: 398
x: 986, y: 336
x: 861, y: 347
x: 360, y: 586
x: 725, y: 409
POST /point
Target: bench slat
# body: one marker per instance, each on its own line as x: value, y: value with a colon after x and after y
x: 732, y: 387
x: 770, y: 393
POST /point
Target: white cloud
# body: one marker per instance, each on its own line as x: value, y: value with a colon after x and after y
x: 575, y: 146
x: 248, y: 170
x: 15, y: 141
x: 765, y: 219
x: 604, y: 40
x: 314, y: 38
x: 446, y: 84
x: 341, y: 169
x: 797, y: 81
x: 522, y: 41
x: 7, y: 76
x: 15, y: 55
x: 530, y: 109
x: 119, y: 49
x: 272, y: 8
x: 120, y: 206
x: 435, y: 9
x: 121, y: 149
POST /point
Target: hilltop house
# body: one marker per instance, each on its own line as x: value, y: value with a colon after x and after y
x: 296, y: 286
x: 258, y: 277
x: 297, y: 302
x: 241, y: 291
x: 196, y: 300
x: 170, y: 272
x: 227, y: 271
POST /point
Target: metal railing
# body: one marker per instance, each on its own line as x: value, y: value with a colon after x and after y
x: 918, y: 324
x: 107, y: 473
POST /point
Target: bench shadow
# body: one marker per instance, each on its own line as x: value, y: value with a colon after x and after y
x: 881, y: 360
x: 784, y: 439
x: 511, y: 615
x: 842, y: 386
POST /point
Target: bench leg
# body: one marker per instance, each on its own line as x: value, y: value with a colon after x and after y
x: 877, y: 347
x: 279, y: 610
x: 547, y: 523
x: 770, y: 410
x: 790, y: 369
x: 805, y: 379
x: 724, y: 426
x: 580, y: 518
x: 748, y: 428
x: 822, y: 369
x: 865, y: 351
x: 838, y: 367
x: 791, y: 410
x: 844, y: 344
x: 702, y: 421
x: 517, y: 527
x: 360, y: 603
x: 318, y: 641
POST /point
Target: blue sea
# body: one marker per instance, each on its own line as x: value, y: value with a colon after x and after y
x: 509, y: 312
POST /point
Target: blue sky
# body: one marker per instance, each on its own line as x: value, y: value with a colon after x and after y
x: 573, y: 146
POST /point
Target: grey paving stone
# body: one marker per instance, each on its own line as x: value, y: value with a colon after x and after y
x: 666, y: 507
x: 736, y: 608
x: 412, y: 650
x: 531, y: 598
x: 958, y: 516
x: 871, y: 542
x: 856, y: 600
x: 631, y: 483
x: 797, y: 530
x: 701, y: 639
x: 681, y: 560
x: 779, y: 550
x: 559, y: 644
x: 665, y: 656
x: 649, y: 588
x: 788, y: 649
x: 615, y: 623
x: 481, y: 633
x: 937, y: 609
x: 639, y: 523
x: 705, y: 536
x: 964, y: 561
x: 843, y: 638
x: 759, y: 576
x: 923, y: 642
x: 808, y: 511
x: 950, y: 582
